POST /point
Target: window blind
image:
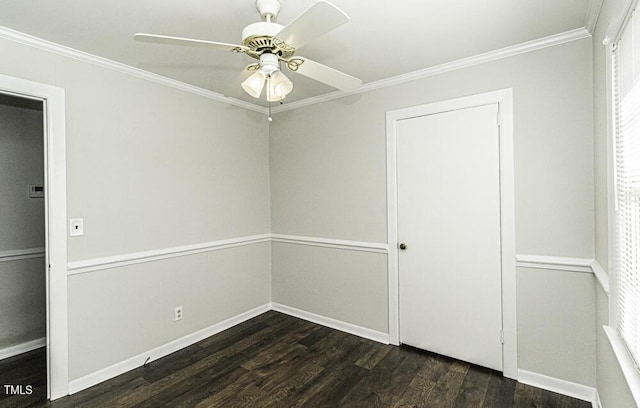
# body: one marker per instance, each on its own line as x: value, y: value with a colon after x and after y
x: 627, y: 178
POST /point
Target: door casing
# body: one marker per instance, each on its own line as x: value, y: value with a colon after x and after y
x: 504, y: 99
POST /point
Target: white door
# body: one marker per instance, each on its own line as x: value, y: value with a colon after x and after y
x: 449, y: 219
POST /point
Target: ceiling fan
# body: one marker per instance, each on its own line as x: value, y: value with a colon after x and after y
x: 272, y: 43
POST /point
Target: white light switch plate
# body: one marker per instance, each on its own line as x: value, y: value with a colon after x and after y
x: 76, y: 227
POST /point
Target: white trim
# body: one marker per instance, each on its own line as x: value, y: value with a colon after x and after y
x: 610, y: 172
x: 601, y: 276
x: 555, y: 263
x: 25, y: 347
x: 392, y: 230
x: 592, y: 15
x: 571, y: 389
x: 161, y: 351
x: 55, y: 224
x: 20, y: 254
x: 118, y: 261
x: 48, y: 46
x: 178, y: 344
x: 618, y: 19
x: 504, y: 98
x: 56, y: 240
x: 627, y: 365
x: 333, y: 323
x: 558, y: 263
x: 331, y: 243
x: 522, y: 48
x: 596, y: 402
x: 506, y: 52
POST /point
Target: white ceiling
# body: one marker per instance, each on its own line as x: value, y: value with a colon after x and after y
x: 382, y: 40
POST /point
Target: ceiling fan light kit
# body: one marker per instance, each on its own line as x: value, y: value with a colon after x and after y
x: 272, y: 43
x: 279, y: 85
x: 254, y: 84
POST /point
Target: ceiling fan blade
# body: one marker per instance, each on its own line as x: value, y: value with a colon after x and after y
x: 316, y: 21
x: 165, y: 39
x: 325, y: 74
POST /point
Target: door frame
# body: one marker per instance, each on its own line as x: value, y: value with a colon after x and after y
x: 504, y: 99
x: 53, y: 99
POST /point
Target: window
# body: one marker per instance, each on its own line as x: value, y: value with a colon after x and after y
x: 626, y: 61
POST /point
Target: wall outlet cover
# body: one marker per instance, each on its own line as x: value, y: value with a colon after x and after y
x: 76, y: 227
x: 177, y: 314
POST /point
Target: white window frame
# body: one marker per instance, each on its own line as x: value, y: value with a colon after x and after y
x: 627, y: 364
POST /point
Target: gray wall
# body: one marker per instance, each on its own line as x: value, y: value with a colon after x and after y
x: 556, y: 313
x: 329, y: 282
x: 328, y: 178
x: 612, y: 387
x: 22, y: 282
x: 151, y: 167
x: 137, y: 302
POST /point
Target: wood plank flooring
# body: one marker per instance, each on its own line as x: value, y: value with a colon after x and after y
x: 275, y: 360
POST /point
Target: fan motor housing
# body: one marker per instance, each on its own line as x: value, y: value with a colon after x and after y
x: 259, y: 38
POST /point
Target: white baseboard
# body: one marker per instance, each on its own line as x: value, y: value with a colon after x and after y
x: 178, y: 344
x: 164, y: 350
x: 332, y: 323
x: 11, y: 351
x: 568, y: 388
x: 571, y: 389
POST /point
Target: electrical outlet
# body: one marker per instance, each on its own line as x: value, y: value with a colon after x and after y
x: 177, y: 315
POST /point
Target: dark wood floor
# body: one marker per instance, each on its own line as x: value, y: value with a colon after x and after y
x: 276, y: 360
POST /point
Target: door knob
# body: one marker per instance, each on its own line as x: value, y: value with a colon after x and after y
x: 403, y: 246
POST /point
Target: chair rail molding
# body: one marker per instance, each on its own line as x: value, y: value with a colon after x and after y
x: 20, y: 254
x: 566, y: 264
x: 331, y: 243
x: 118, y: 261
x: 554, y: 262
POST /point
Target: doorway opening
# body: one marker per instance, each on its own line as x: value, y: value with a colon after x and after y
x: 22, y: 249
x: 49, y: 261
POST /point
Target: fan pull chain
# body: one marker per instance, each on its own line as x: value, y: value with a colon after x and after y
x: 269, y: 118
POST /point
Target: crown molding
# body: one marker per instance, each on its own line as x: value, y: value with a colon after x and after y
x: 48, y: 46
x: 592, y: 15
x: 529, y: 46
x: 522, y: 48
